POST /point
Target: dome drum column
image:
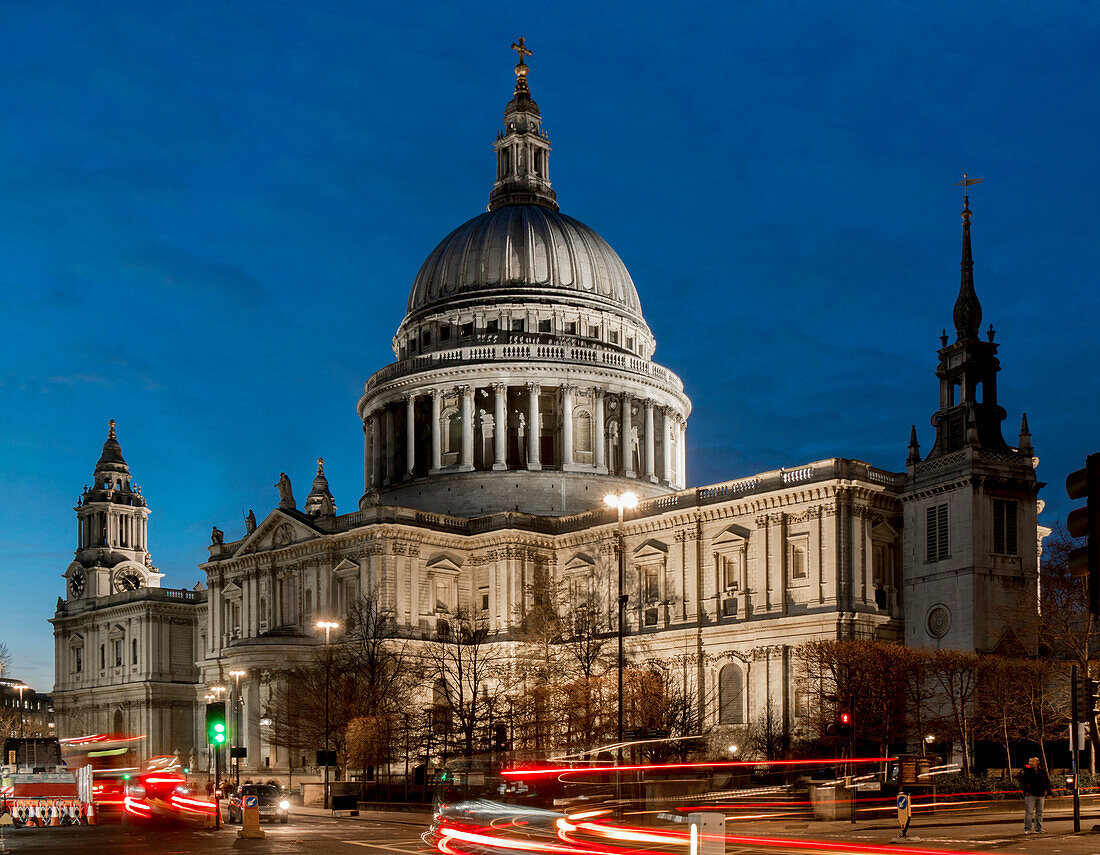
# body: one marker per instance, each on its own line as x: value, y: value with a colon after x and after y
x: 600, y: 428
x: 626, y: 440
x: 390, y: 449
x: 534, y: 462
x: 666, y: 445
x: 466, y: 396
x: 437, y: 442
x: 567, y: 463
x: 410, y: 436
x: 650, y: 450
x: 500, y: 427
x: 376, y: 449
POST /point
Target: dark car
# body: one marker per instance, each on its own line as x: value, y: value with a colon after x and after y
x: 269, y: 799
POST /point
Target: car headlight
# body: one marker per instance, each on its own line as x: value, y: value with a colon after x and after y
x: 284, y: 805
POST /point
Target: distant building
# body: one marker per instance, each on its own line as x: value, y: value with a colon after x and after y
x: 20, y: 701
x: 124, y: 647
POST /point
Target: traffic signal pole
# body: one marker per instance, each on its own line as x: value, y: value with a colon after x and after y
x: 1074, y: 734
x: 217, y: 782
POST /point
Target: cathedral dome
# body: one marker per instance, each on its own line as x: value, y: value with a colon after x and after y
x: 524, y: 252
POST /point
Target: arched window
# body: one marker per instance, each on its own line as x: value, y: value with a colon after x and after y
x: 119, y: 725
x: 730, y: 704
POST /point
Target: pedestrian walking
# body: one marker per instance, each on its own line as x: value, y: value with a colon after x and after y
x: 1035, y: 784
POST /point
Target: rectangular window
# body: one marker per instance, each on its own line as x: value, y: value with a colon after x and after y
x: 492, y: 326
x: 630, y: 343
x: 485, y: 601
x: 445, y: 333
x: 118, y: 652
x: 937, y: 545
x: 729, y: 568
x: 517, y: 324
x: 288, y: 599
x: 133, y: 652
x: 1004, y: 526
x: 593, y: 332
x: 544, y: 326
x: 426, y: 338
x: 466, y: 330
x: 650, y: 585
x: 102, y: 657
x: 79, y: 659
x: 570, y: 327
x: 613, y: 337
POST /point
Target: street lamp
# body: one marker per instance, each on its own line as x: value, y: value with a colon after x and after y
x: 327, y: 626
x: 236, y: 675
x: 733, y: 749
x: 621, y: 502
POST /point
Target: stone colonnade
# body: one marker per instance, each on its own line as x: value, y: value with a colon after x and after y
x: 500, y: 427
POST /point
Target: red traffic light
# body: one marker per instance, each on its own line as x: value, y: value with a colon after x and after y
x: 845, y: 718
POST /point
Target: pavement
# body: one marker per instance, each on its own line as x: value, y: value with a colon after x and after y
x: 993, y: 829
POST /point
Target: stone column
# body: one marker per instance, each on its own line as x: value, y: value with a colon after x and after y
x: 437, y: 448
x: 376, y: 448
x: 410, y: 435
x: 533, y: 431
x: 500, y: 426
x: 625, y: 440
x: 601, y: 436
x: 466, y: 396
x: 666, y: 444
x: 391, y: 447
x: 683, y: 453
x: 650, y: 449
x: 567, y: 426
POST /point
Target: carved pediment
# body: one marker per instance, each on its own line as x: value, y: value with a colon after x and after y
x: 443, y: 564
x: 884, y: 532
x: 345, y: 567
x: 651, y: 549
x: 279, y: 529
x: 731, y: 535
x: 580, y: 561
x: 231, y: 590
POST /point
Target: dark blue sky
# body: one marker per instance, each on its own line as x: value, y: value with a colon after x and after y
x: 211, y: 215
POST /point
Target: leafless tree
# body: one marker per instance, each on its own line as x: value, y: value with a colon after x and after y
x: 5, y: 660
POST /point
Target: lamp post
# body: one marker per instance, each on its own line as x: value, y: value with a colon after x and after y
x: 928, y: 740
x: 620, y: 502
x: 327, y: 626
x: 236, y: 675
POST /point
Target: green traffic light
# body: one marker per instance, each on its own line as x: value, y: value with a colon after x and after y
x: 219, y: 738
x: 220, y: 728
x: 126, y: 777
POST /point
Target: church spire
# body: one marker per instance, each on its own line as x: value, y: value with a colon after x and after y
x: 968, y: 311
x: 319, y: 502
x: 522, y: 148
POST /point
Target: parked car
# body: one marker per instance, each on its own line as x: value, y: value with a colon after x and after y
x: 271, y: 802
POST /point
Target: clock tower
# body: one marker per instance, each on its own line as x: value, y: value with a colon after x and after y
x: 112, y: 553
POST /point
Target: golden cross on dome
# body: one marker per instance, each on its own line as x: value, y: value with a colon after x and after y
x: 521, y: 49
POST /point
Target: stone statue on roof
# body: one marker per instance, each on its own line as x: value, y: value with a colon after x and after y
x: 286, y: 495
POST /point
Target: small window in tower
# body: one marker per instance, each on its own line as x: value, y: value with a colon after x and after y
x: 613, y: 337
x: 1004, y: 526
x: 570, y: 327
x: 133, y: 651
x: 544, y: 326
x: 425, y: 338
x: 630, y: 343
x: 485, y: 601
x: 466, y: 330
x: 492, y: 326
x: 937, y: 545
x: 593, y: 332
x: 517, y: 324
x: 79, y: 652
x: 445, y: 332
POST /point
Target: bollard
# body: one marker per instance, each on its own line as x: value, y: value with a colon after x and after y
x: 91, y: 813
x: 250, y: 818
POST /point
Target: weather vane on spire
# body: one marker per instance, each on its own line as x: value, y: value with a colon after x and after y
x: 966, y: 182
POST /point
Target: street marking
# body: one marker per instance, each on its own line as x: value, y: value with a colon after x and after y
x: 380, y: 846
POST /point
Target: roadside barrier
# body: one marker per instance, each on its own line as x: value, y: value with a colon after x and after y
x: 49, y: 813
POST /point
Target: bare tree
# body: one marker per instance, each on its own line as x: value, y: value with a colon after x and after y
x: 465, y: 669
x: 956, y: 676
x: 5, y: 660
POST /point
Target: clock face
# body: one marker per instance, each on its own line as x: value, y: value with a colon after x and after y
x: 128, y: 580
x: 77, y: 583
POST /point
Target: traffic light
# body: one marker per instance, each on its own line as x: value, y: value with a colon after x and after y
x: 842, y: 726
x: 215, y: 723
x: 1084, y: 561
x: 500, y: 736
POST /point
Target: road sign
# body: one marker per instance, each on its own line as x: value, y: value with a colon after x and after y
x: 905, y: 812
x: 251, y: 801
